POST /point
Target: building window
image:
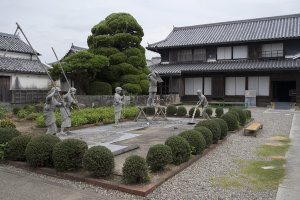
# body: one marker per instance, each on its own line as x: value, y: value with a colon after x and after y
x: 272, y: 50
x: 172, y: 56
x: 194, y: 84
x: 240, y: 52
x: 185, y: 55
x: 261, y: 84
x: 224, y: 53
x: 235, y: 86
x: 199, y: 55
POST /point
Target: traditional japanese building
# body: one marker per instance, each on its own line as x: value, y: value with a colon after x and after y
x: 225, y: 59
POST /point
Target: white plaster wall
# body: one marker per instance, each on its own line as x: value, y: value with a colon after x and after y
x: 30, y: 81
x: 18, y: 55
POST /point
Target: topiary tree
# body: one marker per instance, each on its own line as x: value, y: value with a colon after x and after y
x: 181, y: 111
x: 67, y: 154
x: 209, y: 111
x: 242, y: 115
x: 197, y: 113
x: 219, y: 112
x: 135, y: 170
x: 214, y: 127
x: 132, y: 88
x: 159, y: 156
x: 39, y: 150
x: 181, y: 150
x: 171, y: 110
x: 7, y: 134
x: 149, y: 110
x: 223, y: 126
x: 231, y: 120
x: 99, y: 88
x: 207, y: 134
x: 15, y: 149
x: 99, y: 160
x: 195, y: 139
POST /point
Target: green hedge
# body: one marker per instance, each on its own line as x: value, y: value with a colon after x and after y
x: 191, y: 112
x: 181, y: 111
x: 16, y: 148
x: 171, y: 110
x: 181, y: 149
x: 132, y: 88
x: 195, y: 139
x: 149, y: 110
x: 99, y: 88
x: 7, y: 134
x: 159, y: 156
x: 207, y: 134
x: 242, y: 115
x: 223, y: 126
x: 135, y: 170
x: 219, y: 112
x: 214, y: 127
x: 231, y: 120
x: 209, y: 111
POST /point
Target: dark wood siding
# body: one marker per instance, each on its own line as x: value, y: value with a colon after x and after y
x: 5, y: 95
x: 218, y: 87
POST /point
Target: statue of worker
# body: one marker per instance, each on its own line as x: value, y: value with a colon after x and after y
x: 203, y: 102
x: 49, y: 110
x: 153, y: 78
x: 68, y: 101
x: 118, y: 102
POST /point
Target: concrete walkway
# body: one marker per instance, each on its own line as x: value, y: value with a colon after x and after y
x: 290, y: 187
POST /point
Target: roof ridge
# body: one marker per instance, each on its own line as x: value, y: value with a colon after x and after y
x: 237, y: 21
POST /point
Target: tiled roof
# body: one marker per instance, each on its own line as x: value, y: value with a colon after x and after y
x: 76, y: 48
x: 228, y: 66
x: 21, y: 65
x: 13, y: 43
x: 270, y: 28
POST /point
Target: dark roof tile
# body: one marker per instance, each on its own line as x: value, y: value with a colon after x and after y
x: 21, y: 65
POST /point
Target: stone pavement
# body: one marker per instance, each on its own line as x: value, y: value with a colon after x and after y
x: 289, y: 189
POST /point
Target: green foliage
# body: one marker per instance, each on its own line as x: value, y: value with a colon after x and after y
x: 209, y: 111
x: 223, y: 126
x: 195, y: 139
x: 242, y: 115
x: 207, y: 134
x: 181, y: 111
x: 105, y: 51
x: 30, y: 108
x: 117, y: 58
x: 191, y: 112
x: 39, y: 150
x: 144, y: 86
x: 2, y: 150
x: 99, y: 160
x: 16, y: 148
x: 7, y: 123
x: 149, y: 110
x: 7, y: 134
x: 235, y: 114
x: 22, y: 113
x: 130, y: 78
x: 99, y: 88
x: 248, y: 114
x: 171, y: 110
x: 39, y: 107
x: 132, y: 88
x: 67, y: 155
x: 219, y: 112
x: 214, y: 127
x: 181, y: 149
x: 15, y: 110
x: 159, y: 156
x: 231, y: 120
x: 32, y: 116
x: 135, y: 170
x: 3, y: 111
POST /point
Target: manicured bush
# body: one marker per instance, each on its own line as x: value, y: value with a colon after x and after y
x: 99, y: 160
x: 219, y: 112
x: 16, y: 148
x: 117, y: 58
x: 209, y: 111
x: 159, y: 156
x: 135, y: 170
x: 149, y: 110
x: 235, y: 114
x: 195, y: 139
x: 214, y: 127
x: 99, y: 88
x: 242, y: 115
x: 131, y: 78
x: 7, y: 123
x: 231, y: 120
x: 181, y: 149
x: 197, y: 113
x: 67, y: 154
x: 132, y: 88
x: 207, y: 134
x: 223, y: 126
x: 39, y: 150
x: 248, y: 114
x: 7, y: 134
x: 171, y: 110
x: 181, y: 111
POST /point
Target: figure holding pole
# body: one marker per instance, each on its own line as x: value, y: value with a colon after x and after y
x: 118, y: 102
x: 204, y: 103
x: 153, y: 78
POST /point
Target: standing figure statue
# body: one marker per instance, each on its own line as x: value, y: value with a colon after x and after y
x: 153, y: 78
x: 204, y: 103
x: 68, y: 100
x: 118, y: 102
x: 49, y: 110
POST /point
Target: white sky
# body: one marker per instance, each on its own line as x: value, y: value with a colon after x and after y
x: 59, y: 23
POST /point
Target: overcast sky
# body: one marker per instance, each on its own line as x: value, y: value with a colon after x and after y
x: 59, y: 23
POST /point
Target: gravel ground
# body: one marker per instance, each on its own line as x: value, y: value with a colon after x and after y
x: 194, y: 181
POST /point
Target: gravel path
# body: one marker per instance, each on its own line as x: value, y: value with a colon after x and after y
x: 194, y: 182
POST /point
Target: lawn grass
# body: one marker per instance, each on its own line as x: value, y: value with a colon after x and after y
x: 269, y: 150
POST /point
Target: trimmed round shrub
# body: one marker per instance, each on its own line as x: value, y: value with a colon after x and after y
x: 171, y: 110
x: 242, y: 115
x: 67, y: 154
x: 99, y: 160
x: 15, y: 149
x: 99, y: 88
x: 7, y: 123
x: 223, y: 126
x: 39, y: 150
x: 207, y: 134
x: 231, y: 120
x: 235, y: 114
x: 181, y: 149
x: 248, y: 114
x: 159, y: 156
x: 132, y: 88
x: 197, y: 113
x: 131, y: 78
x: 7, y: 134
x: 195, y: 139
x: 219, y: 112
x: 149, y: 110
x: 135, y: 170
x: 181, y: 111
x: 214, y: 127
x: 209, y: 111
